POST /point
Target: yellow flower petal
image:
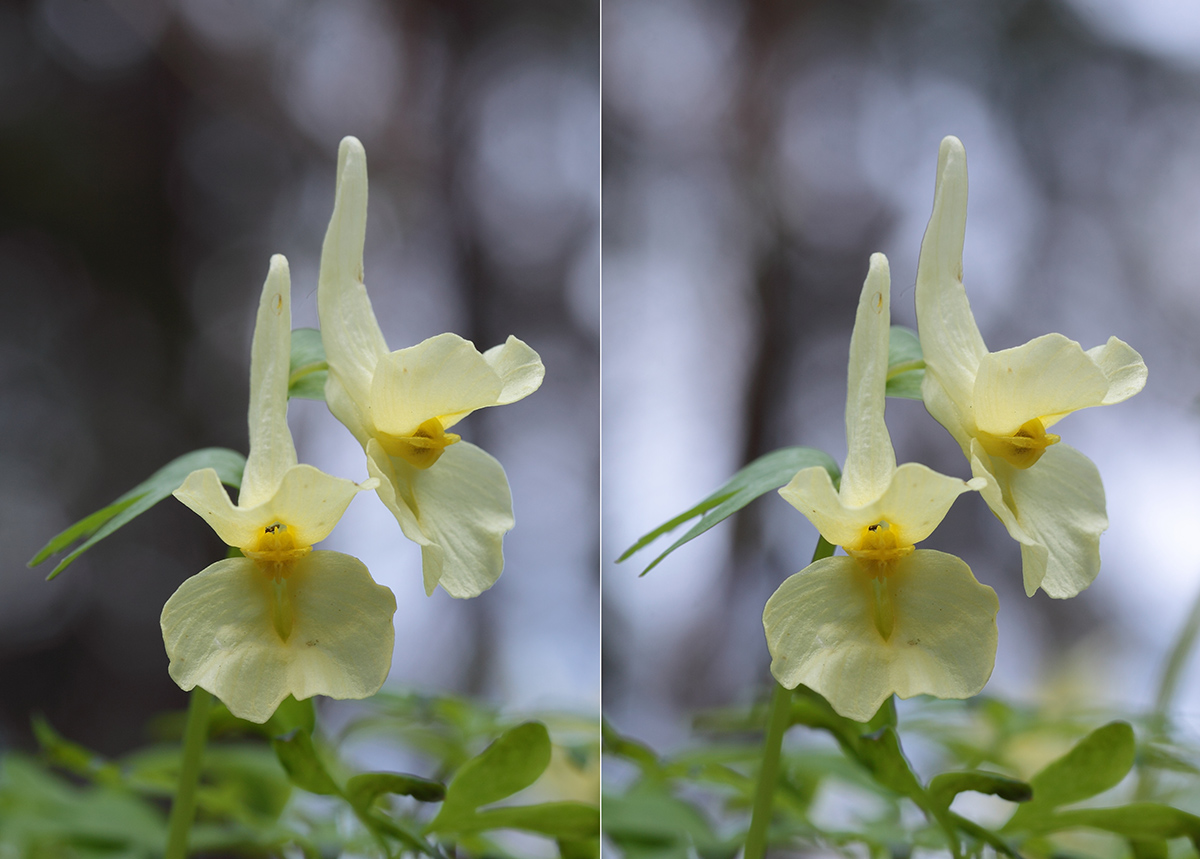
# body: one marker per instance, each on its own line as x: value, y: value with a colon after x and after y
x: 272, y: 452
x: 220, y: 635
x: 950, y: 340
x: 1047, y: 378
x: 458, y: 511
x: 519, y: 368
x: 349, y: 331
x: 1122, y: 366
x: 1054, y: 510
x: 307, y: 500
x: 822, y: 631
x: 203, y: 493
x: 444, y: 377
x: 870, y: 458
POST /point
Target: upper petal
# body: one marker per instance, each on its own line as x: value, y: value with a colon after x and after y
x: 272, y: 452
x: 870, y: 458
x: 204, y: 494
x: 461, y: 507
x: 443, y: 377
x: 915, y: 502
x: 950, y: 340
x: 519, y: 368
x: 1122, y: 366
x: 349, y: 331
x: 310, y: 502
x: 1055, y: 510
x: 918, y: 498
x: 219, y: 633
x: 811, y: 492
x: 821, y: 632
x: 1049, y: 377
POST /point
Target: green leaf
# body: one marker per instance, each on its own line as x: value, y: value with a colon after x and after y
x: 764, y: 474
x: 649, y: 817
x: 570, y: 820
x: 308, y: 370
x: 1096, y: 763
x: 73, y: 757
x: 94, y: 528
x: 510, y: 764
x: 289, y: 716
x: 362, y: 790
x: 1139, y: 820
x: 299, y: 758
x: 906, y: 364
x: 943, y: 788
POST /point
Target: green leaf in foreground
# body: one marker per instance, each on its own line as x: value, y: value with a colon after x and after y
x: 362, y: 790
x: 570, y: 820
x: 1096, y: 763
x: 906, y: 364
x: 299, y: 758
x: 945, y: 787
x: 764, y: 474
x: 308, y: 369
x: 94, y: 528
x: 510, y: 764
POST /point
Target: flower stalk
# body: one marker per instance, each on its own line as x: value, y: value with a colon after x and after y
x: 183, y: 808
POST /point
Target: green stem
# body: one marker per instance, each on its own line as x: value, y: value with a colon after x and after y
x: 183, y: 809
x: 768, y: 773
x: 1167, y: 687
x: 1177, y: 662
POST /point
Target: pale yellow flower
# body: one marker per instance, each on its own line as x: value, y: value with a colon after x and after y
x: 887, y: 618
x: 448, y: 495
x: 998, y: 405
x: 284, y: 619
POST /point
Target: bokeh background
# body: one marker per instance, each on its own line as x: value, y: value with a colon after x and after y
x: 755, y: 153
x: 153, y: 155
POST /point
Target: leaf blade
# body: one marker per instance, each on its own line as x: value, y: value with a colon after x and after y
x: 764, y: 474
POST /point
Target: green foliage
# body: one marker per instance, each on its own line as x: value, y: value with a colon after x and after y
x: 906, y: 364
x: 695, y: 802
x: 95, y: 527
x: 308, y: 369
x: 761, y: 476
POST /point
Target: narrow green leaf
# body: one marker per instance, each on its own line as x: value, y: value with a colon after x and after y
x: 308, y: 369
x: 906, y: 364
x: 571, y: 820
x: 1096, y: 763
x: 361, y: 790
x: 979, y: 833
x: 95, y: 527
x: 299, y: 759
x: 943, y: 788
x: 764, y: 474
x: 585, y: 848
x: 510, y: 764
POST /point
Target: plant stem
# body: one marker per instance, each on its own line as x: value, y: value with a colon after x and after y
x: 183, y: 809
x: 1177, y: 662
x: 768, y: 774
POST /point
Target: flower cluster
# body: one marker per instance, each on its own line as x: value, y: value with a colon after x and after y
x: 887, y: 617
x: 280, y: 618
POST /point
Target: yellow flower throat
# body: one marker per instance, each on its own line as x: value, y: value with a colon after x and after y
x: 877, y: 551
x: 275, y: 552
x: 1024, y: 447
x: 421, y: 449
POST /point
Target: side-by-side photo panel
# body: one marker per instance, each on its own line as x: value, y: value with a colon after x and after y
x: 299, y: 491
x: 899, y: 364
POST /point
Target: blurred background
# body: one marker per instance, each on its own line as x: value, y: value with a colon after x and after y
x: 153, y: 155
x: 755, y: 153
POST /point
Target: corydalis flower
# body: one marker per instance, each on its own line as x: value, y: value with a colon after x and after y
x: 448, y: 495
x: 998, y: 405
x: 284, y: 619
x: 888, y: 618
